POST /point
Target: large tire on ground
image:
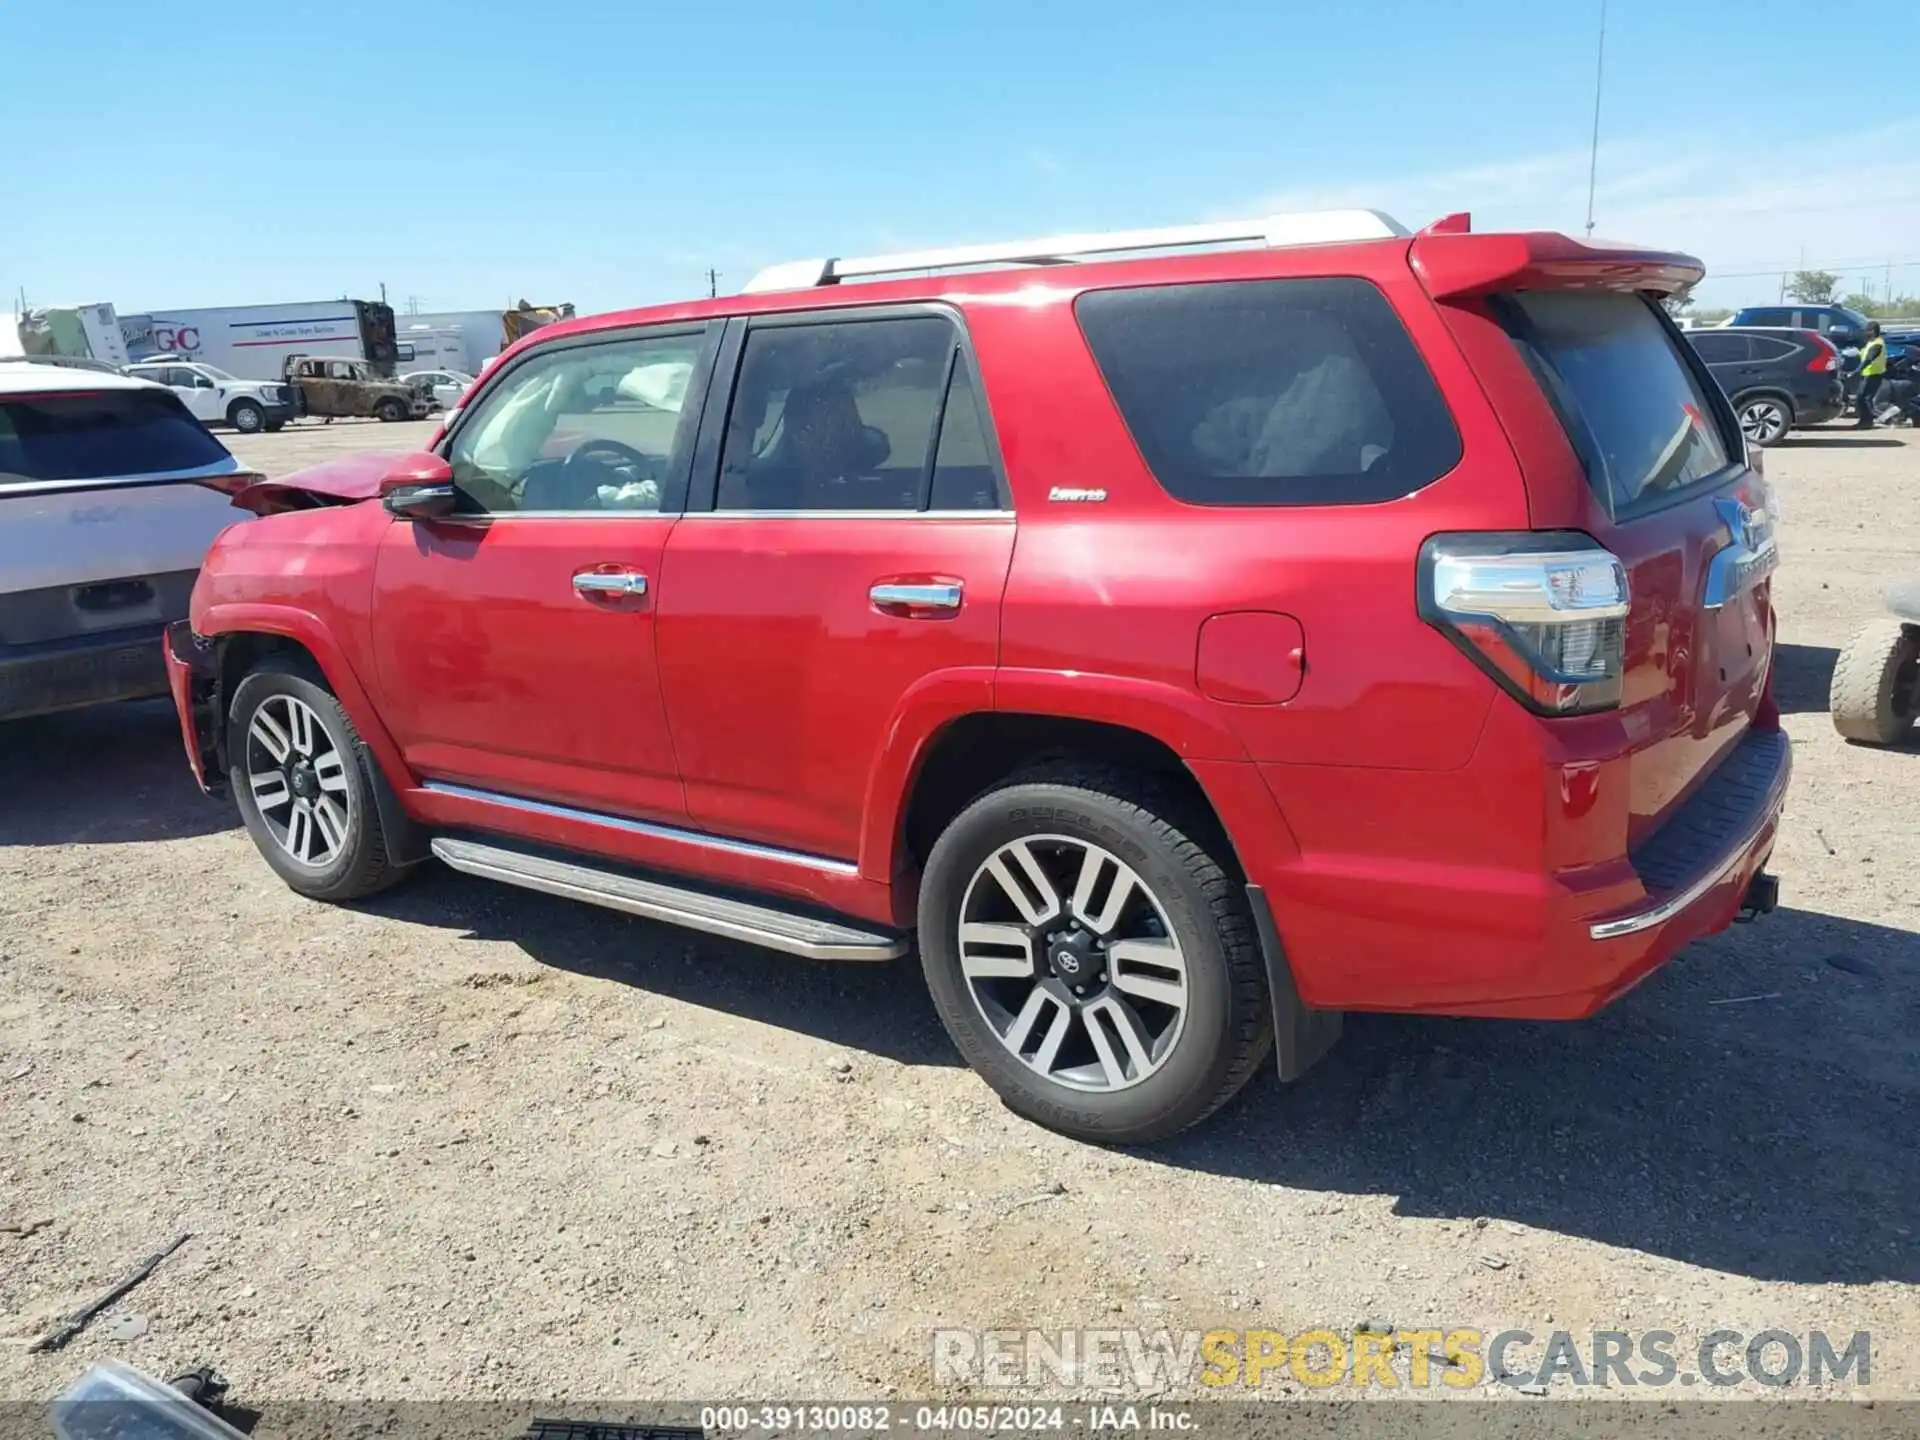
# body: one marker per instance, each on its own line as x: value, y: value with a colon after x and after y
x: 306, y: 784
x: 1876, y: 682
x: 1765, y: 419
x: 249, y: 417
x: 1092, y: 955
x: 391, y: 408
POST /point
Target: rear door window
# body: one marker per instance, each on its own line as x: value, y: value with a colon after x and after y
x: 100, y: 435
x: 1271, y: 392
x: 1765, y: 347
x: 1720, y: 349
x: 1639, y: 419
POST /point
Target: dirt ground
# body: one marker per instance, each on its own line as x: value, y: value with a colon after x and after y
x: 467, y: 1141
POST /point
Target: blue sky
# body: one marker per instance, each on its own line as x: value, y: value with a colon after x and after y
x: 608, y: 151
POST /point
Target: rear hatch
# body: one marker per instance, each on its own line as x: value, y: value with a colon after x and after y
x: 109, y: 499
x: 1669, y: 493
x: 1624, y: 436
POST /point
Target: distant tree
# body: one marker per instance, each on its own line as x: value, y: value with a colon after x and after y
x: 1813, y: 287
x: 1680, y: 304
x: 1710, y: 317
x: 1906, y: 307
x: 1862, y: 302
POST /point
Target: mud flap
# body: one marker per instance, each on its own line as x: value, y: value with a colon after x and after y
x: 1301, y: 1034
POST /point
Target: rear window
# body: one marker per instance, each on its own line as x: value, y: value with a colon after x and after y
x: 1271, y: 392
x: 1642, y: 424
x: 97, y: 436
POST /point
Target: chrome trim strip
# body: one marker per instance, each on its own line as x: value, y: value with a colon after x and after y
x: 1659, y: 914
x: 651, y: 900
x: 651, y: 831
x: 848, y: 515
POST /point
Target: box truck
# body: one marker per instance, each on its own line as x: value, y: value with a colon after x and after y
x: 254, y: 341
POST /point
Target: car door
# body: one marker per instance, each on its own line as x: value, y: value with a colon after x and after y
x: 1728, y: 356
x: 515, y: 639
x: 849, y: 551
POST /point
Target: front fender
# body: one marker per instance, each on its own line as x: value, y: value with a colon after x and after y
x: 224, y: 619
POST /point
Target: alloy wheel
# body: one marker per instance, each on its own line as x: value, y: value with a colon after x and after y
x: 298, y: 777
x: 1764, y: 421
x: 1071, y: 961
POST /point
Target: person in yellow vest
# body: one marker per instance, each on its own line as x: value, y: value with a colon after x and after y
x: 1873, y: 367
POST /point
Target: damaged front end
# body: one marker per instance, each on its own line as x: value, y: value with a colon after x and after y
x: 193, y: 675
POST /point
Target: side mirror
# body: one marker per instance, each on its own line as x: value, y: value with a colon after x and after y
x: 419, y: 487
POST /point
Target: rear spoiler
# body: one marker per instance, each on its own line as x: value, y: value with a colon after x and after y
x: 1454, y: 265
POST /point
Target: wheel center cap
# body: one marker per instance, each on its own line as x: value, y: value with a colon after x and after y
x: 303, y: 782
x: 1072, y: 957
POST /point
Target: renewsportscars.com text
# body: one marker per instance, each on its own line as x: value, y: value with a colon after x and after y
x: 1461, y: 1358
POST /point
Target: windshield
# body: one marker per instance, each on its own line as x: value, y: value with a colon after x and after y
x: 1630, y: 403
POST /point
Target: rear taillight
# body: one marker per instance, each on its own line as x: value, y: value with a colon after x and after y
x: 1544, y: 614
x: 1825, y: 356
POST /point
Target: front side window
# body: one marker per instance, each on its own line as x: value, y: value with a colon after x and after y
x: 856, y: 415
x: 584, y: 428
x: 96, y: 436
x: 1632, y: 407
x: 1271, y: 392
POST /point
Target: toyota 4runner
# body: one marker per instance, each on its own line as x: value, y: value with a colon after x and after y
x: 1177, y: 650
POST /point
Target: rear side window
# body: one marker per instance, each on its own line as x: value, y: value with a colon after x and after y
x: 1720, y: 349
x: 1766, y: 316
x: 1271, y: 392
x: 1630, y: 403
x: 97, y: 436
x: 1765, y: 347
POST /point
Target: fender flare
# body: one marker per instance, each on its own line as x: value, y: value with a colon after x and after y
x: 1178, y: 719
x: 221, y: 621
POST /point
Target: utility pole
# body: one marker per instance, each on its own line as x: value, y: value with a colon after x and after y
x: 383, y: 292
x: 1599, y: 73
x: 713, y: 282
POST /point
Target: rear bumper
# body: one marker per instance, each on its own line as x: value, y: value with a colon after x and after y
x: 193, y: 678
x: 69, y: 674
x: 1427, y: 931
x: 1820, y: 411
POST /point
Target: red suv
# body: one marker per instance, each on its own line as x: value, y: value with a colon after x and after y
x: 1181, y: 649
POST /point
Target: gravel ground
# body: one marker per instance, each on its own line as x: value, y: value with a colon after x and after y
x: 466, y: 1141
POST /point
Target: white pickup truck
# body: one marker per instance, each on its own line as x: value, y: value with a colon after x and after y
x: 216, y: 398
x: 109, y: 497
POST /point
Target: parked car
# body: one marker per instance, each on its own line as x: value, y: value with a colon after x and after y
x: 1778, y: 380
x: 1389, y: 628
x: 216, y: 398
x: 330, y: 386
x: 1846, y: 328
x: 110, y: 493
x: 444, y: 387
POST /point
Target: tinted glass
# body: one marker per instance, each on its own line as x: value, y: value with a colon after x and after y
x: 1766, y: 316
x: 89, y: 437
x: 1718, y: 349
x: 835, y: 416
x: 1765, y: 347
x: 964, y: 477
x: 583, y: 428
x: 1630, y: 403
x: 1271, y: 392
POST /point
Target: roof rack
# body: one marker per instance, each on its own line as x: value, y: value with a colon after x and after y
x: 1307, y: 227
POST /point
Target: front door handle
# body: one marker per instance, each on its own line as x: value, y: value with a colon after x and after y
x: 592, y: 583
x: 922, y: 599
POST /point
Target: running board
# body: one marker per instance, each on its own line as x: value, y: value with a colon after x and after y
x: 804, y: 935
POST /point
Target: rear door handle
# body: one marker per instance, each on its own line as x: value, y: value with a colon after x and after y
x: 592, y: 583
x: 923, y: 599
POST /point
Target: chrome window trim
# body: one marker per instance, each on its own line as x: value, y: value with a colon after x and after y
x: 745, y: 848
x: 848, y: 515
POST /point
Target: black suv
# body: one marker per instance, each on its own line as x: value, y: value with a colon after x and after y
x: 1845, y: 328
x: 1778, y: 380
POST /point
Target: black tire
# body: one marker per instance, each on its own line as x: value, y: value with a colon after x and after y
x: 1876, y: 683
x: 1765, y: 418
x: 363, y: 865
x: 391, y: 408
x: 1227, y: 1027
x: 247, y: 416
x: 274, y: 427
